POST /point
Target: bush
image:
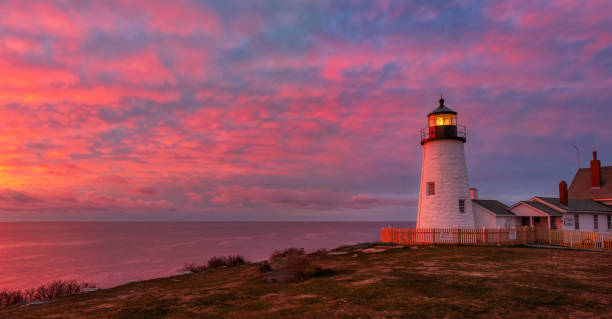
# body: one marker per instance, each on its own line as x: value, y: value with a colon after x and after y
x: 45, y: 292
x: 236, y: 260
x: 216, y: 262
x: 291, y: 264
x: 300, y: 267
x: 8, y: 298
x: 265, y: 267
x: 228, y: 261
x: 58, y: 288
x: 288, y: 252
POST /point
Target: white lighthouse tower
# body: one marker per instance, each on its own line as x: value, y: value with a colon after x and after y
x: 444, y: 199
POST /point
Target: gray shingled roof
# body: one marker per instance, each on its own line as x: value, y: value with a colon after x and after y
x: 548, y: 210
x: 581, y: 184
x: 578, y: 205
x: 494, y: 206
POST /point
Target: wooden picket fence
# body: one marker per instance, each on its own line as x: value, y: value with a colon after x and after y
x: 496, y: 237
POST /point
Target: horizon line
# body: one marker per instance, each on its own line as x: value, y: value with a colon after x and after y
x: 205, y: 221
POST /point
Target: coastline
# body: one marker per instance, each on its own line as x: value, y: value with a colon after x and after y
x: 113, y: 253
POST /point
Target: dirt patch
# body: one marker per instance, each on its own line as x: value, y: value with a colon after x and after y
x: 272, y: 296
x: 233, y: 284
x: 365, y: 282
x: 103, y: 306
x: 305, y: 296
x: 476, y: 274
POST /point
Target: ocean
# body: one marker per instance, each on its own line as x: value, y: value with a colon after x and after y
x: 112, y: 253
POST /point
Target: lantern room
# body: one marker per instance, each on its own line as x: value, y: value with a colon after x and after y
x: 442, y: 125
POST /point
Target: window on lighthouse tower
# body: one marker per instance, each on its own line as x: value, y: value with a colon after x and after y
x: 462, y: 205
x: 431, y: 188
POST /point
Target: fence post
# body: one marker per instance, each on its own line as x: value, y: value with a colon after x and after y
x: 433, y: 236
x: 458, y: 235
x: 549, y: 234
x: 484, y: 236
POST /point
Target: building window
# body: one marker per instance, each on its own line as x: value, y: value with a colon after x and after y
x: 595, y: 222
x: 609, y: 221
x: 576, y: 221
x: 536, y: 220
x: 525, y: 221
x: 431, y: 188
x: 462, y: 205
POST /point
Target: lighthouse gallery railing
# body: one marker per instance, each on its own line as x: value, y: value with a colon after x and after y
x: 444, y: 131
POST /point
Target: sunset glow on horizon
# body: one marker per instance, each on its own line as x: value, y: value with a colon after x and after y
x: 287, y: 110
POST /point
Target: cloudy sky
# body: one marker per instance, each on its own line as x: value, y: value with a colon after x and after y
x: 289, y: 110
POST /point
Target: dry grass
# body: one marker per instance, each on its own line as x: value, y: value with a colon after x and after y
x: 433, y: 282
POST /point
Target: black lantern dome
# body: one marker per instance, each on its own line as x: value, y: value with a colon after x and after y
x: 442, y: 125
x: 442, y: 109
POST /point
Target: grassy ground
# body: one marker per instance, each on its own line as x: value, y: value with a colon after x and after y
x: 438, y: 282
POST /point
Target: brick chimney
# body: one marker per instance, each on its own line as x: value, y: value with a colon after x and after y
x: 595, y: 171
x: 563, y: 193
x: 473, y: 193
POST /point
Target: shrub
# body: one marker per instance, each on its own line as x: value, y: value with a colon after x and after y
x: 8, y: 298
x: 300, y: 267
x: 58, y: 288
x: 265, y: 267
x: 291, y: 264
x: 288, y: 252
x: 216, y: 262
x: 45, y: 292
x: 236, y: 260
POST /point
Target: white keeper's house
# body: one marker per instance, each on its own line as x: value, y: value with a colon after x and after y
x: 446, y: 201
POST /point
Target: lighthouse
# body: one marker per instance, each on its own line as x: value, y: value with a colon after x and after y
x: 444, y: 199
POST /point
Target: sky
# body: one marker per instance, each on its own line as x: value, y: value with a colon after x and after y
x: 290, y: 110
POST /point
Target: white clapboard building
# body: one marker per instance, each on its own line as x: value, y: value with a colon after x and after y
x: 587, y: 206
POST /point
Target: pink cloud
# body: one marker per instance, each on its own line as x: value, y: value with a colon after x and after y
x: 194, y: 197
x: 300, y: 198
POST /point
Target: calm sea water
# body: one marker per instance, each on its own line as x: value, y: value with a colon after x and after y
x: 109, y: 254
